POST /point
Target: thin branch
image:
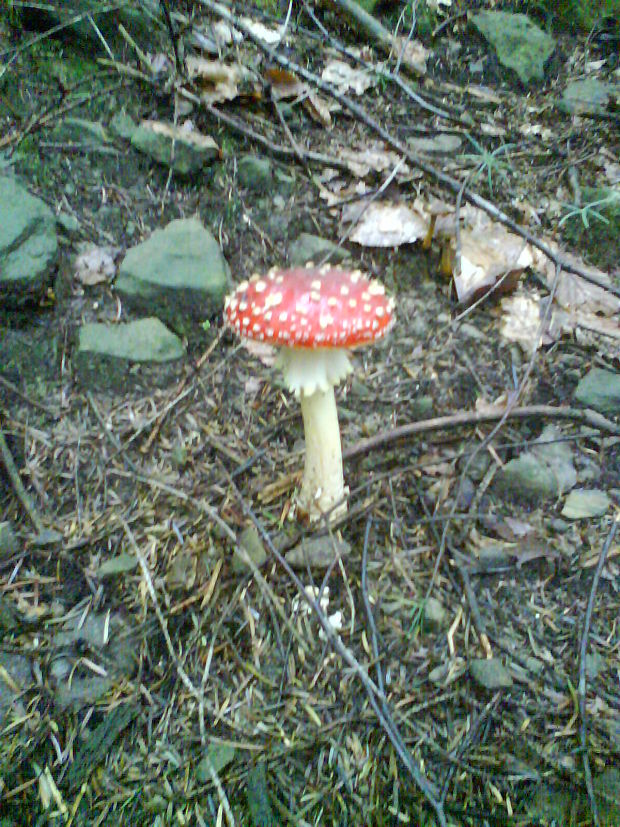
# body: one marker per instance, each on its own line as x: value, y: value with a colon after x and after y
x: 468, y: 418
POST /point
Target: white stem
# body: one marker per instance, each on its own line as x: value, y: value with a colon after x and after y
x: 323, y: 483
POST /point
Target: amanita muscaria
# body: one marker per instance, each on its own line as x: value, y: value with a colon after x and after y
x: 314, y: 316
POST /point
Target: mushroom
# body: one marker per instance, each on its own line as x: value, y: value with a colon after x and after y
x: 314, y: 315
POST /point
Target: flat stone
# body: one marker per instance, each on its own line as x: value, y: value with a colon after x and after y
x: 255, y: 173
x: 28, y: 244
x: 307, y: 247
x: 490, y: 673
x: 519, y: 43
x: 178, y: 274
x: 589, y: 97
x: 107, y: 355
x: 545, y: 471
x: 317, y: 552
x: 192, y: 151
x: 582, y: 503
x: 600, y: 389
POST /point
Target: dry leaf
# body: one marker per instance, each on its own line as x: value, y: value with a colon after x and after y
x: 95, y: 265
x: 347, y: 79
x: 218, y: 81
x: 285, y: 85
x: 389, y: 225
x: 488, y: 256
x: 521, y: 322
x: 269, y: 36
x: 377, y: 159
x: 318, y: 109
x: 185, y: 133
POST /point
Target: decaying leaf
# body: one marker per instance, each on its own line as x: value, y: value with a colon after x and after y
x: 384, y: 224
x: 219, y: 81
x: 318, y: 109
x: 375, y: 159
x: 488, y: 256
x: 346, y: 78
x: 95, y: 265
x: 285, y: 85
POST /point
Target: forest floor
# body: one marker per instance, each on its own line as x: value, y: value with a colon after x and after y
x: 151, y: 671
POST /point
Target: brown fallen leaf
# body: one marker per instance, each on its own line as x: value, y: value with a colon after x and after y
x: 218, y: 81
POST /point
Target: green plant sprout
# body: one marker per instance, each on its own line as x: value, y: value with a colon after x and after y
x: 489, y: 161
x: 588, y: 211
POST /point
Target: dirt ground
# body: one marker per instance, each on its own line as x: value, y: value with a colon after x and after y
x: 185, y: 685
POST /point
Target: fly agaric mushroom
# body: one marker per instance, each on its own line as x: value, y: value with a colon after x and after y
x: 314, y: 315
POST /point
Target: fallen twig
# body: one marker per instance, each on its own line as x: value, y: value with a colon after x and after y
x: 585, y: 417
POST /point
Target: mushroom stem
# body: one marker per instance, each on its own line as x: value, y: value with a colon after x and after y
x: 323, y: 484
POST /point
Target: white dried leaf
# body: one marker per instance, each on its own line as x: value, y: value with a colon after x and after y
x: 269, y: 36
x: 389, y: 225
x: 346, y: 78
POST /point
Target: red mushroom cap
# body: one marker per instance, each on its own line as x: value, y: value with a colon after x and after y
x: 311, y: 307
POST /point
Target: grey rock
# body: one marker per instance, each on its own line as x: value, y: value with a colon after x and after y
x: 544, y: 472
x: 307, y: 247
x: 254, y: 173
x: 585, y: 502
x: 250, y: 541
x: 192, y: 151
x: 519, y: 43
x: 178, y: 274
x: 120, y: 564
x: 317, y: 552
x: 435, y: 617
x: 588, y: 97
x: 28, y: 244
x: 490, y: 673
x: 600, y: 389
x: 107, y: 355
